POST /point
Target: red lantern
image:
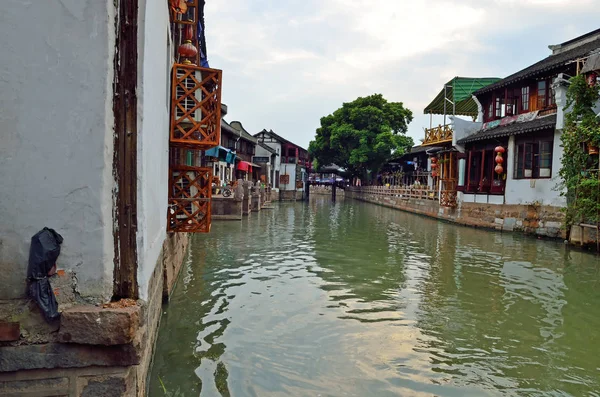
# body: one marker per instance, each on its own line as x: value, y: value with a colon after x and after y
x: 499, y: 159
x: 187, y: 49
x: 499, y: 169
x: 179, y: 6
x: 434, y: 160
x: 500, y: 149
x: 434, y: 166
x: 434, y: 174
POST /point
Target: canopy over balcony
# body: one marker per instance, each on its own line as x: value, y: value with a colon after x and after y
x: 456, y: 95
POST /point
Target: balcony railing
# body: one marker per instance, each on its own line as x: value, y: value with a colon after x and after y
x: 423, y: 193
x: 437, y: 135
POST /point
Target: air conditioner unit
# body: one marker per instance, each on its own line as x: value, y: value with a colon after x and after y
x: 185, y: 190
x: 191, y: 99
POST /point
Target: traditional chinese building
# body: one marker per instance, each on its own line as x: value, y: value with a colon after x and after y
x: 121, y: 104
x: 291, y: 174
x: 521, y: 117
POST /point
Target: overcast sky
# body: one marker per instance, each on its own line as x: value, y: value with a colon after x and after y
x: 287, y: 63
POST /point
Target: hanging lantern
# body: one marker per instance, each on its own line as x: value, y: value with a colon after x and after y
x: 187, y: 49
x: 499, y: 160
x: 434, y: 174
x: 434, y: 166
x: 434, y: 160
x: 179, y: 6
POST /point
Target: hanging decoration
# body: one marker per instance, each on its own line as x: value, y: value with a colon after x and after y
x: 179, y: 6
x: 434, y: 166
x: 499, y: 159
x: 187, y: 50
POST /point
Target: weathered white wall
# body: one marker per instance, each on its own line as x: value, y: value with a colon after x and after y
x: 528, y: 191
x: 56, y: 131
x: 277, y: 164
x: 289, y: 169
x: 154, y: 64
x: 462, y: 129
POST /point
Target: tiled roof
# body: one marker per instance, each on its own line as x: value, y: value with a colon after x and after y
x: 542, y: 123
x: 548, y: 64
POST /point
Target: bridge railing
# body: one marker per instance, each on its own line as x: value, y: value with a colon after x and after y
x: 398, y: 191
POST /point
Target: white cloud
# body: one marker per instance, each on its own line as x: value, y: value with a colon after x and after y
x: 288, y: 63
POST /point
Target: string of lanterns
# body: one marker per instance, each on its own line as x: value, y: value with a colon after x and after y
x: 499, y: 160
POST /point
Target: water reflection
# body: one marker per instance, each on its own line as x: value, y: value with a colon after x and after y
x: 356, y: 299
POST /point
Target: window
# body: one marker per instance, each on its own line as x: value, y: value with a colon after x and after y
x: 533, y: 158
x: 498, y: 107
x: 541, y: 94
x: 481, y: 177
x: 490, y: 115
x: 525, y: 98
x: 512, y: 102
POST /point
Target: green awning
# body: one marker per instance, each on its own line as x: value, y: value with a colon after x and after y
x: 459, y: 90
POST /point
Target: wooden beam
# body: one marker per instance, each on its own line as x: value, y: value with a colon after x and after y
x: 125, y: 151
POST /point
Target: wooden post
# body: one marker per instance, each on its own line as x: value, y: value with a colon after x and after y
x: 125, y: 151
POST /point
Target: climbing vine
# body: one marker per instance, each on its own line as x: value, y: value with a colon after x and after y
x: 579, y: 170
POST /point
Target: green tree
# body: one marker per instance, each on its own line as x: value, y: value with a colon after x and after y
x: 579, y: 170
x: 362, y: 135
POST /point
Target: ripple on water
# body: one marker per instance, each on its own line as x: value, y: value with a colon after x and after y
x: 352, y: 299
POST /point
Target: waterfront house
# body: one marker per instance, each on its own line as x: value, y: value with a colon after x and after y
x: 222, y: 158
x: 501, y: 170
x: 245, y: 150
x: 266, y: 157
x: 291, y: 172
x: 522, y: 116
x: 106, y: 152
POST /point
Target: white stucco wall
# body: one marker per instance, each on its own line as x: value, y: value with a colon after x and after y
x: 56, y: 130
x: 462, y: 129
x: 528, y: 191
x: 289, y: 169
x: 277, y: 164
x: 154, y: 65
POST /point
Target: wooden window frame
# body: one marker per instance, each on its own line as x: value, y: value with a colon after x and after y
x: 525, y: 92
x: 521, y: 156
x: 495, y: 184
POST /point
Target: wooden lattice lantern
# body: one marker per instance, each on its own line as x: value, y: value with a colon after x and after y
x: 195, y: 107
x: 190, y: 190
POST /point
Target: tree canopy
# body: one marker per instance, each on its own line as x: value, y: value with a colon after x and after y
x: 362, y: 135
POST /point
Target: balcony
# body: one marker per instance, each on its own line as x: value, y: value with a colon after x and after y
x: 195, y: 107
x: 438, y: 135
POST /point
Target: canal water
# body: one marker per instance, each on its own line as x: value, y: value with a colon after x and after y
x: 353, y: 299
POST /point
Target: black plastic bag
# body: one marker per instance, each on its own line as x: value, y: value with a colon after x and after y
x: 45, y: 249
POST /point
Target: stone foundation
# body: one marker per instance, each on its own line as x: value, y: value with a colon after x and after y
x: 287, y: 195
x: 225, y: 208
x: 255, y: 203
x: 85, y: 359
x: 544, y: 221
x: 173, y: 255
x: 274, y: 195
x: 584, y: 236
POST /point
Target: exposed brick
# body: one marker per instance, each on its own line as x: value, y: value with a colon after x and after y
x: 45, y: 387
x: 99, y: 326
x: 68, y: 355
x: 122, y: 385
x: 9, y: 331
